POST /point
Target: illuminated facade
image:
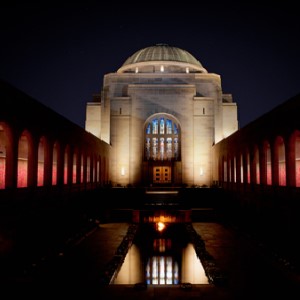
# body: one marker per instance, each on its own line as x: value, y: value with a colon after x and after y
x: 161, y: 112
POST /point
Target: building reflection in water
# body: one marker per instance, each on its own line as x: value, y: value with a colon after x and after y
x: 161, y: 257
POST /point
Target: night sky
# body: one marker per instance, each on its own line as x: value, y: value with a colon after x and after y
x: 59, y: 53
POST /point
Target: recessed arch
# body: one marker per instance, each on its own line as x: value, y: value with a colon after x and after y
x: 66, y: 164
x: 268, y: 162
x: 55, y: 155
x: 297, y: 158
x: 294, y: 158
x: 225, y: 169
x: 234, y: 162
x: 24, y: 148
x: 88, y: 168
x: 280, y: 145
x: 248, y: 172
x: 41, y: 161
x: 81, y: 167
x: 6, y: 150
x: 74, y: 165
x: 240, y: 158
x: 256, y: 166
x: 162, y: 138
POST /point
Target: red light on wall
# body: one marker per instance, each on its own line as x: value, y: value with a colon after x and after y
x: 2, y: 173
x: 22, y: 173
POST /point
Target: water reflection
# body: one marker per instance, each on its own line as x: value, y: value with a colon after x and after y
x: 161, y: 257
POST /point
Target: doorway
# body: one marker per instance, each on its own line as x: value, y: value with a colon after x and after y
x: 161, y: 174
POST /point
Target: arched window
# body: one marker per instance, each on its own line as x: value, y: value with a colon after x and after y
x: 162, y: 137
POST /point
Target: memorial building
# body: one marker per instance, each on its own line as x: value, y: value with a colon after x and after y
x: 161, y: 112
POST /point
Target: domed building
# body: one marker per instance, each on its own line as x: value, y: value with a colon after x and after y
x: 161, y: 112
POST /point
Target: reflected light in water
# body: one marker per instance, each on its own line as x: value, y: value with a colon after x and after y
x: 131, y: 270
x: 161, y: 226
x: 161, y: 269
x: 192, y: 269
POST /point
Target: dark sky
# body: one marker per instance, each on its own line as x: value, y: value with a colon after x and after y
x: 59, y: 53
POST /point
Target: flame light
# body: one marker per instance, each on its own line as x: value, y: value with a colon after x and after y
x: 161, y: 226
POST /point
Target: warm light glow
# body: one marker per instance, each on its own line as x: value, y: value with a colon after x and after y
x: 40, y: 168
x: 161, y: 245
x: 131, y: 270
x: 201, y: 171
x: 40, y: 174
x: 22, y: 173
x: 192, y: 270
x: 161, y: 270
x: 162, y: 68
x: 2, y: 172
x: 66, y: 167
x: 22, y: 162
x: 281, y: 163
x: 187, y: 70
x: 160, y: 226
x: 74, y: 169
x: 2, y: 157
x: 122, y: 171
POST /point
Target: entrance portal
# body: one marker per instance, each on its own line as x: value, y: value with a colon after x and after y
x: 161, y: 174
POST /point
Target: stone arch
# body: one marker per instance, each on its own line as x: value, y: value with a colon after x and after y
x: 6, y: 156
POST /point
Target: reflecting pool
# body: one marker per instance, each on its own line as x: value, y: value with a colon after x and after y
x: 161, y: 254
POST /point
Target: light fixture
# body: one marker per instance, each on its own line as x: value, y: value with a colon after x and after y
x: 201, y: 171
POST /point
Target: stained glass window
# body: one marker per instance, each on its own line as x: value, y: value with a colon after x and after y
x: 148, y: 148
x: 169, y: 148
x: 155, y: 126
x: 175, y: 129
x: 169, y: 126
x: 162, y: 148
x: 176, y: 151
x: 162, y: 138
x: 148, y: 129
x: 154, y: 147
x: 162, y: 126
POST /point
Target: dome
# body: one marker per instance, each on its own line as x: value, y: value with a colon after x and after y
x: 162, y: 53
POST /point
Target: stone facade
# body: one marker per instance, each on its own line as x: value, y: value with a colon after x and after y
x: 153, y: 83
